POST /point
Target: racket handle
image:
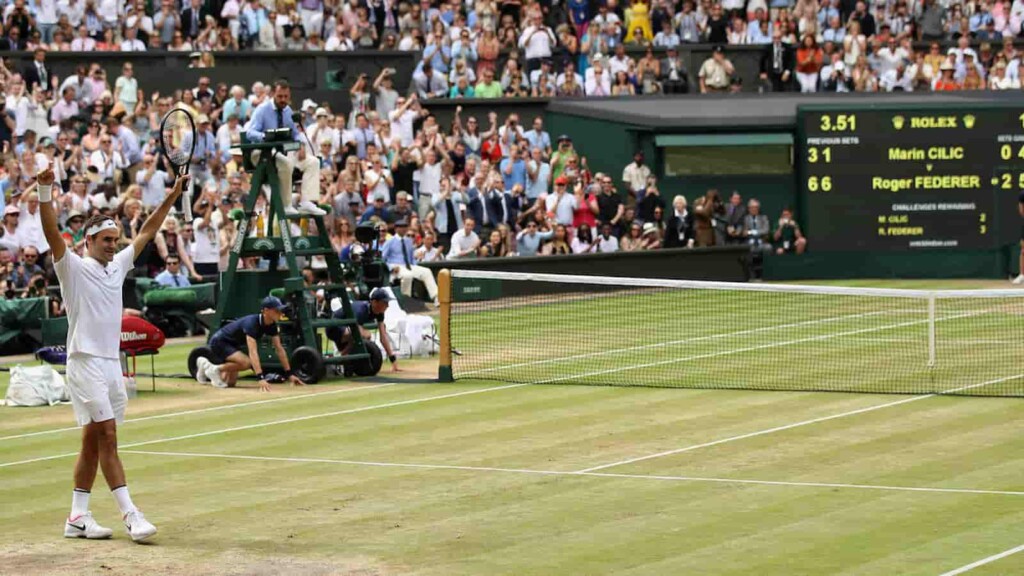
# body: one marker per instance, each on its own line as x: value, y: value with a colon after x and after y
x: 186, y: 203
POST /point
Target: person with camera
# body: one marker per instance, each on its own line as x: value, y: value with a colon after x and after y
x: 276, y: 114
x: 650, y: 201
x: 205, y: 151
x: 789, y: 239
x: 513, y: 166
x: 703, y: 219
x: 398, y: 252
x: 511, y: 134
x: 386, y: 96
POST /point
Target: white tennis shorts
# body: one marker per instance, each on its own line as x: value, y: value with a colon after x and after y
x: 96, y: 387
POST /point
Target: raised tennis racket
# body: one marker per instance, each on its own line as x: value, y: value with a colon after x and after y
x: 178, y: 143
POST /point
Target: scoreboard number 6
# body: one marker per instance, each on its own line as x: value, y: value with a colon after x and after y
x: 824, y: 183
x: 823, y: 154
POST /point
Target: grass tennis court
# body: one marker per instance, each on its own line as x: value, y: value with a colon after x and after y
x: 548, y: 332
x: 391, y: 477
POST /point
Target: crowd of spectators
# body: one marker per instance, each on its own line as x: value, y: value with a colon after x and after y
x: 480, y: 187
x: 491, y: 48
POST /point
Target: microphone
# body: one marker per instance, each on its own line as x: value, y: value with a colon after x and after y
x: 298, y: 117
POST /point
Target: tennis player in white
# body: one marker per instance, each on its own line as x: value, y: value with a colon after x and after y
x: 91, y: 288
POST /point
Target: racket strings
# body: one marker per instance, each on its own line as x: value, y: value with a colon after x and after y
x: 177, y: 137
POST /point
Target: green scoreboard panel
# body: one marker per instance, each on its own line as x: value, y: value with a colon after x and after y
x: 911, y: 178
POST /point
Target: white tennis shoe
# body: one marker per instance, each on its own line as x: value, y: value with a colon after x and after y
x: 85, y: 526
x: 1019, y: 279
x: 201, y: 365
x: 213, y: 373
x: 308, y: 207
x: 138, y: 527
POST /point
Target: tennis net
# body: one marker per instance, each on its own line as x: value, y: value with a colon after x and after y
x: 555, y: 329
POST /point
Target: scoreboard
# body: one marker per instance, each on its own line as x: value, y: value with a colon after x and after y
x: 911, y: 177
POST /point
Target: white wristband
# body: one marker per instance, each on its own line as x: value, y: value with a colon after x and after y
x: 45, y: 192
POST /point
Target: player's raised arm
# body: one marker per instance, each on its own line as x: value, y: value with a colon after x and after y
x: 156, y: 219
x: 44, y: 188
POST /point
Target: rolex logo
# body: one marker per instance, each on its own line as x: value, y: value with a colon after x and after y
x: 897, y: 122
x: 969, y: 121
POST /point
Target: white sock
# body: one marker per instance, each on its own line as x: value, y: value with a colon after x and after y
x: 79, y: 502
x: 124, y: 501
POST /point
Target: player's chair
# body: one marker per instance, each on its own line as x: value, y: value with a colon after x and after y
x: 55, y: 336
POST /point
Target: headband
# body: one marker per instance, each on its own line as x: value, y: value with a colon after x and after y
x: 97, y: 228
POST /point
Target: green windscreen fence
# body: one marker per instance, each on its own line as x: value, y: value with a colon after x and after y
x: 726, y: 154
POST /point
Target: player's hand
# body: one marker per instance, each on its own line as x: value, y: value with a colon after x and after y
x: 179, y: 185
x: 264, y: 386
x: 295, y: 380
x: 45, y: 177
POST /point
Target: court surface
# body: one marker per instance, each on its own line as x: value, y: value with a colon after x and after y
x: 402, y: 476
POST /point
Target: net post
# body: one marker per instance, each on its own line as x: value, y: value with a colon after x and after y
x: 931, y: 331
x: 444, y: 297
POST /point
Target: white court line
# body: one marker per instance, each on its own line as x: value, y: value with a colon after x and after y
x: 683, y: 341
x: 944, y: 342
x: 984, y: 561
x: 283, y: 421
x: 211, y: 409
x: 752, y: 348
x: 584, y: 474
x: 791, y: 426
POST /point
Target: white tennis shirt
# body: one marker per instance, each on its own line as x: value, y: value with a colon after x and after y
x: 92, y: 297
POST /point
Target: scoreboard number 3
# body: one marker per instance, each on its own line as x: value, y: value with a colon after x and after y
x: 824, y: 155
x: 840, y: 123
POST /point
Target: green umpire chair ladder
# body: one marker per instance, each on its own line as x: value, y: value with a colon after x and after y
x: 242, y: 290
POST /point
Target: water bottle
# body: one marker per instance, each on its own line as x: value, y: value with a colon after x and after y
x: 129, y: 387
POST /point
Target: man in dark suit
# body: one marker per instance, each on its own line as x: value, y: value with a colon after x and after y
x: 13, y: 40
x: 501, y: 206
x: 674, y: 77
x: 193, y: 19
x: 37, y: 73
x: 476, y: 202
x: 777, y: 63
